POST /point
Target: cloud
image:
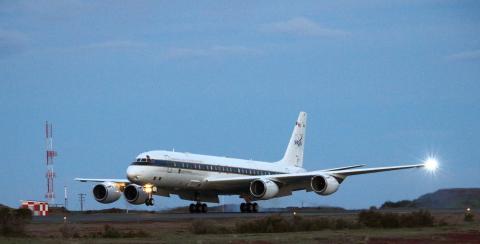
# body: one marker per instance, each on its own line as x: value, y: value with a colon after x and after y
x: 12, y: 42
x: 209, y: 51
x: 467, y: 55
x: 303, y: 27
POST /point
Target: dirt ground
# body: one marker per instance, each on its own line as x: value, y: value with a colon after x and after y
x: 456, y: 231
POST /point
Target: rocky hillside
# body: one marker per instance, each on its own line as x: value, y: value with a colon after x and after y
x: 443, y: 198
x: 450, y: 198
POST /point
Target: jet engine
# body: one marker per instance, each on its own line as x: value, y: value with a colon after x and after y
x: 324, y: 184
x: 106, y: 192
x: 263, y: 189
x: 135, y: 194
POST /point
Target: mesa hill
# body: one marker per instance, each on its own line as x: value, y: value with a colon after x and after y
x: 453, y: 198
x: 450, y: 198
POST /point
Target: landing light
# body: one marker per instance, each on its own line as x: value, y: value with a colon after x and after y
x: 431, y: 164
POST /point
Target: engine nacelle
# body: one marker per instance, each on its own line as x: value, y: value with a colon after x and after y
x: 324, y: 184
x: 263, y: 189
x: 106, y: 192
x: 135, y: 194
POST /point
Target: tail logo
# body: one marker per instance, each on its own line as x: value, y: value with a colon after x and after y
x: 299, y: 142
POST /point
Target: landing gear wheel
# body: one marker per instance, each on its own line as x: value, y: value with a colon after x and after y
x: 198, y: 207
x: 255, y: 207
x: 149, y: 202
x: 249, y: 207
x: 243, y: 207
x: 191, y: 208
x: 204, y: 208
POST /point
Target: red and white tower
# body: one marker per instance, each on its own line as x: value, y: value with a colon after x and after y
x: 50, y: 155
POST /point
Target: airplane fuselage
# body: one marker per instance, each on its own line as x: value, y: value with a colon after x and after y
x: 175, y: 171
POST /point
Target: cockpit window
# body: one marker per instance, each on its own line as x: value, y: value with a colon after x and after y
x: 144, y: 160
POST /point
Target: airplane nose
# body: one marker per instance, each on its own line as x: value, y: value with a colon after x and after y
x: 132, y: 173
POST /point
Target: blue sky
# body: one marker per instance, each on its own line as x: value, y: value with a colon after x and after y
x: 383, y: 82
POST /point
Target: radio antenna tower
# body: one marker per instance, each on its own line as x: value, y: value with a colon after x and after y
x: 50, y: 195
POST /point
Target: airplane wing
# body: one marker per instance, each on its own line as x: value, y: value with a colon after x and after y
x: 102, y: 180
x: 348, y: 172
x: 347, y: 167
x: 300, y: 180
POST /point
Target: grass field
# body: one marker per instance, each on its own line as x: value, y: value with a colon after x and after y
x: 455, y: 231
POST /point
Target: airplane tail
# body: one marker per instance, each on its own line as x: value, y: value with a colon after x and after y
x: 294, y: 153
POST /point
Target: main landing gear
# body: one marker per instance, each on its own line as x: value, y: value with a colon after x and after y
x: 198, y: 208
x: 249, y: 207
x: 149, y: 201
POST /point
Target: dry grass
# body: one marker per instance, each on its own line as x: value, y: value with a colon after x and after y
x: 181, y: 232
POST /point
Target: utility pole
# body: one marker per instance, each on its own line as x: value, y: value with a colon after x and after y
x: 82, y: 199
x: 66, y: 198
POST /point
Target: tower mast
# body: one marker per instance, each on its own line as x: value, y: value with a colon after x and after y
x: 50, y: 195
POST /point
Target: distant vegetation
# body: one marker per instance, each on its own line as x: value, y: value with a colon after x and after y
x: 399, y: 204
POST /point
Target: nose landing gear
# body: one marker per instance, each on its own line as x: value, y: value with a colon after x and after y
x: 198, y: 208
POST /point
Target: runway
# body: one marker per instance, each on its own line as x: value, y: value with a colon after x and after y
x: 167, y: 217
x: 78, y: 217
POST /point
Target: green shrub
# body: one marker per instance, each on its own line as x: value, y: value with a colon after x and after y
x: 468, y: 217
x: 370, y: 218
x: 207, y: 227
x: 134, y: 234
x: 278, y: 223
x: 69, y: 231
x: 390, y: 220
x: 110, y: 232
x: 442, y: 222
x: 376, y: 219
x: 421, y: 218
x: 341, y: 224
x: 322, y: 224
x: 13, y: 221
x: 270, y: 224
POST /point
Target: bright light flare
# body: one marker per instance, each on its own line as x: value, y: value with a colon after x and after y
x: 431, y: 164
x: 148, y: 188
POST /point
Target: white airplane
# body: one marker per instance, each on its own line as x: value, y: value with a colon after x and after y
x: 202, y: 178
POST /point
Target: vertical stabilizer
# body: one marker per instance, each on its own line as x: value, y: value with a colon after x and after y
x: 294, y: 153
